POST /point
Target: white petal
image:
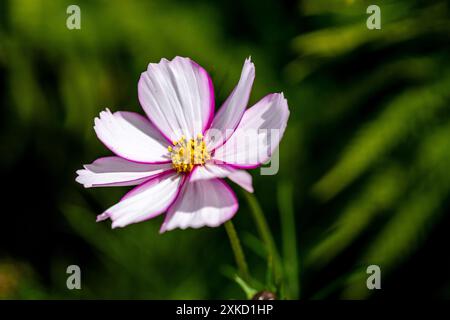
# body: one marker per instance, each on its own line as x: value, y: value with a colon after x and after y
x: 178, y: 97
x: 243, y: 179
x: 202, y: 203
x: 131, y: 136
x: 116, y: 171
x: 229, y: 115
x: 145, y: 201
x: 211, y: 171
x: 258, y: 134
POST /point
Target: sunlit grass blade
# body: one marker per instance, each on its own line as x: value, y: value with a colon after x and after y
x: 381, y: 193
x: 405, y: 113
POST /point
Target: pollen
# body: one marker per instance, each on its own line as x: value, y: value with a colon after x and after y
x: 187, y: 153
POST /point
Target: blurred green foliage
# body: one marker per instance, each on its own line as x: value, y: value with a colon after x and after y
x: 364, y: 162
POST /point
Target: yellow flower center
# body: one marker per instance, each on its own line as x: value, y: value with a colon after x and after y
x: 185, y: 154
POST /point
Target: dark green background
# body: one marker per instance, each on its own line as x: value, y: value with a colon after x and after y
x: 364, y: 175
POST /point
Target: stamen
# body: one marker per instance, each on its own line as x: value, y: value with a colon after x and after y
x: 185, y: 154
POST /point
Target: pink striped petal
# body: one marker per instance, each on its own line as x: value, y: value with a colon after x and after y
x: 258, y: 134
x: 243, y: 179
x: 145, y: 201
x: 202, y: 203
x: 229, y: 115
x: 178, y: 97
x: 211, y: 171
x: 131, y: 136
x: 116, y: 171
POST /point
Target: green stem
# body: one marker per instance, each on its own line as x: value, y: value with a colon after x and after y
x: 237, y: 250
x: 249, y: 291
x: 273, y: 260
x: 289, y: 242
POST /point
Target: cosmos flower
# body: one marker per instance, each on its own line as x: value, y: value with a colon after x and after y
x: 179, y: 154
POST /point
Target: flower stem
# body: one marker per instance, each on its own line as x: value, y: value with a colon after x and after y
x: 273, y: 259
x: 237, y: 250
x: 289, y: 242
x: 249, y: 291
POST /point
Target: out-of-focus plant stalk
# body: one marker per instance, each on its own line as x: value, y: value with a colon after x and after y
x: 237, y: 250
